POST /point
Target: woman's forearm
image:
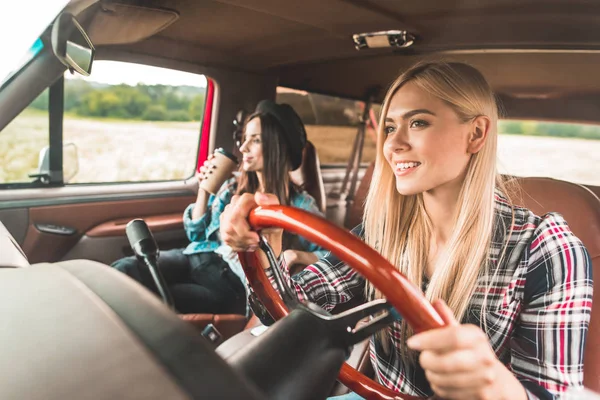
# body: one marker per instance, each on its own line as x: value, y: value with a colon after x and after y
x: 200, y: 206
x: 305, y: 257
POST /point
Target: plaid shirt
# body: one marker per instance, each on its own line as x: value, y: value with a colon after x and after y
x: 537, y: 313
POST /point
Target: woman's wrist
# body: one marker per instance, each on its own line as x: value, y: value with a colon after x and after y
x: 508, y: 385
x: 201, y: 202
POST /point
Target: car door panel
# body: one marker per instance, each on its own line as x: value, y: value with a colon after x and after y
x: 89, y: 221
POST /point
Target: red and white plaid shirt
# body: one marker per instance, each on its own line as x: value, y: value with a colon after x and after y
x: 537, y: 313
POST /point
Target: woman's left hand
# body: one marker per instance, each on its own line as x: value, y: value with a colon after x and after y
x: 460, y: 364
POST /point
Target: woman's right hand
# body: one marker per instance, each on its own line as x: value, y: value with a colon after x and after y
x: 235, y: 230
x: 205, y: 169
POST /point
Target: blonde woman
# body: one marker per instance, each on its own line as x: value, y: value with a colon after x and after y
x: 514, y: 288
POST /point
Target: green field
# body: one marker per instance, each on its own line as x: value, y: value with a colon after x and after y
x: 107, y: 150
x: 113, y: 150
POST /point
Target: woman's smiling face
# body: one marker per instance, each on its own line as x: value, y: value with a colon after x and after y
x: 426, y: 143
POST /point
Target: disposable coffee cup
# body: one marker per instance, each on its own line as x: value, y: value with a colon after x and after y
x: 225, y: 163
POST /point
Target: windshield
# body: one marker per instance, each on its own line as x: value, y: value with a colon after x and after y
x: 20, y: 28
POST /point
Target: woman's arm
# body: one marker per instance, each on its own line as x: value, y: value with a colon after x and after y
x: 327, y: 282
x: 303, y: 256
x: 205, y: 227
x: 293, y: 257
x: 549, y: 339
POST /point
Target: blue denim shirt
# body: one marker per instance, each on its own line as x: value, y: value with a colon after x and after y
x: 204, y: 236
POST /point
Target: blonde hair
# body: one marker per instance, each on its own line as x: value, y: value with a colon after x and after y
x: 398, y: 227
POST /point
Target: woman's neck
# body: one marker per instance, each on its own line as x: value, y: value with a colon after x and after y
x: 261, y: 181
x: 441, y: 205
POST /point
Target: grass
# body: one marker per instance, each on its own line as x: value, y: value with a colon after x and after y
x: 111, y: 150
x: 107, y: 150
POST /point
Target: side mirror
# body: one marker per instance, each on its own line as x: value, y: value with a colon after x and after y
x: 71, y: 44
x: 70, y: 163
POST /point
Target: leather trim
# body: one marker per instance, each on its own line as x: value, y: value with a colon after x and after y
x: 158, y: 223
x: 44, y: 247
x: 595, y: 189
x: 227, y: 324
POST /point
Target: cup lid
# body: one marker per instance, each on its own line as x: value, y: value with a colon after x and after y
x: 227, y: 154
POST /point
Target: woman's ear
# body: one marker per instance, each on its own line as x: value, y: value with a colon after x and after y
x: 480, y: 128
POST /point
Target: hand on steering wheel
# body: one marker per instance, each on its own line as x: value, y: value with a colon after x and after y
x: 405, y: 297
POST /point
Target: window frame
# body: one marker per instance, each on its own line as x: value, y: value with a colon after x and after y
x: 55, y: 178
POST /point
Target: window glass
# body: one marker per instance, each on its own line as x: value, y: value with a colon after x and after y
x: 568, y: 152
x: 331, y: 124
x: 22, y: 140
x: 130, y: 123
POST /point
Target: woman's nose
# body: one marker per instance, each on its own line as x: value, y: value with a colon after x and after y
x: 397, y: 141
x: 244, y: 147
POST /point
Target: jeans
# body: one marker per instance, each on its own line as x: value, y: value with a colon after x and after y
x: 199, y: 283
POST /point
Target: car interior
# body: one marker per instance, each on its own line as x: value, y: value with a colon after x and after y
x: 75, y: 328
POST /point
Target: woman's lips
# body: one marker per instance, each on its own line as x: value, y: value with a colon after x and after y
x: 403, y: 169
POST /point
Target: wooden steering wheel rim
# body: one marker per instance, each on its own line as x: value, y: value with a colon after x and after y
x: 406, y: 298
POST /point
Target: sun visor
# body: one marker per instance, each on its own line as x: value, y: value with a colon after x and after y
x: 116, y: 23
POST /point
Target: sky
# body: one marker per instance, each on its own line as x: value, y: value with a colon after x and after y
x: 114, y: 73
x: 20, y: 27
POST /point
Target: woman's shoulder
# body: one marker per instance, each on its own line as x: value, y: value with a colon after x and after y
x: 302, y: 199
x: 521, y: 220
x: 546, y: 236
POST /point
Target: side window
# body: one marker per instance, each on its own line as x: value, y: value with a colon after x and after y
x: 22, y: 141
x: 568, y: 152
x: 131, y: 123
x: 331, y: 124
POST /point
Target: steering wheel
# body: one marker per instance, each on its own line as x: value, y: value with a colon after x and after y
x: 404, y: 296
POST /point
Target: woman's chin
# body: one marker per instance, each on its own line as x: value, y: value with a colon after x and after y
x: 408, y: 189
x: 249, y: 167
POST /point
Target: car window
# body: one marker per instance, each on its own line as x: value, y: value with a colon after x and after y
x: 563, y: 151
x: 331, y: 124
x: 130, y: 123
x: 22, y: 141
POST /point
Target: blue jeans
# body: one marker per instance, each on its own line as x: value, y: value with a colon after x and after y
x: 349, y: 396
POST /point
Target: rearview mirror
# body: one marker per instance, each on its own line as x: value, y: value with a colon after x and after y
x: 71, y: 45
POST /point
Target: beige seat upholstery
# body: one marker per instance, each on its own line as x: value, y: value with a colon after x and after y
x: 12, y: 254
x: 79, y: 329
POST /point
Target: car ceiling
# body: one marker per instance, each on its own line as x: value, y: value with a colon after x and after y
x: 541, y: 57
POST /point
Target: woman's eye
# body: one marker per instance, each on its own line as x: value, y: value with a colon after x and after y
x: 256, y: 141
x: 389, y: 130
x: 419, y: 123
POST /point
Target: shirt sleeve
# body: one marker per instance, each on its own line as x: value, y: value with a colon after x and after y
x: 327, y: 282
x: 549, y: 340
x: 308, y: 203
x: 206, y: 228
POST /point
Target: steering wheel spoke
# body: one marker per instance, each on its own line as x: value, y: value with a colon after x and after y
x: 288, y: 296
x: 400, y: 293
x: 380, y: 315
